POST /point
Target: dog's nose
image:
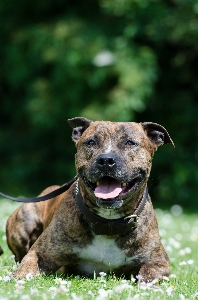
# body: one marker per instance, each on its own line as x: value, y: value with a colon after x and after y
x: 106, y: 161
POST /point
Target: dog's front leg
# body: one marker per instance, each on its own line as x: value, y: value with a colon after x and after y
x: 35, y: 263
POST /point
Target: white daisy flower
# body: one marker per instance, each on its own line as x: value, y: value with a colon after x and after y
x: 29, y: 276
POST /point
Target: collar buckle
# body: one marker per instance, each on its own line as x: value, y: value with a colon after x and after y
x: 135, y: 219
x: 131, y: 216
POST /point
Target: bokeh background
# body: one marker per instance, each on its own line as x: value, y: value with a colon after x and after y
x: 118, y: 60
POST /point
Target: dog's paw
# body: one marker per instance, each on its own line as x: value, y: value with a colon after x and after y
x: 28, y: 265
x: 153, y: 272
x: 21, y: 273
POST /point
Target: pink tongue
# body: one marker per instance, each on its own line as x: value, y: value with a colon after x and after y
x: 108, y: 188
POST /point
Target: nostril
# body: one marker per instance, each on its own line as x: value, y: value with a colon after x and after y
x: 101, y: 161
x: 110, y: 161
x: 106, y: 161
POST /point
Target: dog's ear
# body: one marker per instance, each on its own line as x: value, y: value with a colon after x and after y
x: 79, y: 125
x: 157, y: 134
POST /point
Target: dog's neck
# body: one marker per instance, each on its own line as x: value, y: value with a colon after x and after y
x: 109, y: 213
x: 106, y: 226
x: 127, y: 208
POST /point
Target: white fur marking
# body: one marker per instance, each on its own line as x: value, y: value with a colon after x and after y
x: 102, y: 255
x: 108, y: 149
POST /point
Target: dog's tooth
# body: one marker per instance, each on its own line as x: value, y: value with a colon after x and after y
x: 97, y: 183
x: 123, y: 184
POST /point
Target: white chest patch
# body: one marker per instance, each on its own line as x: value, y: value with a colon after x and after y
x: 102, y: 255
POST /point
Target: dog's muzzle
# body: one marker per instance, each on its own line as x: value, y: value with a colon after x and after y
x: 110, y: 192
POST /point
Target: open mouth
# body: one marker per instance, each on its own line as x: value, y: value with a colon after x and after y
x: 108, y: 188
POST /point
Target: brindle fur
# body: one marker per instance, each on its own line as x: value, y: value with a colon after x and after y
x: 48, y: 235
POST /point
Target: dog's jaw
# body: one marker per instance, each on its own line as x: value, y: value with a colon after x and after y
x: 112, y: 208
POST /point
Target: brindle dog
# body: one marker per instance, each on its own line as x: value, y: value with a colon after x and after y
x: 105, y: 221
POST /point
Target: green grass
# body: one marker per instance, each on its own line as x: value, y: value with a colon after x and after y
x: 179, y: 234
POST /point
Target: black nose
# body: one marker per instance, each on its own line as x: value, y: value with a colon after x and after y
x: 106, y: 161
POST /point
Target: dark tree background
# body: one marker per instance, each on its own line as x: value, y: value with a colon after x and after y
x: 130, y: 60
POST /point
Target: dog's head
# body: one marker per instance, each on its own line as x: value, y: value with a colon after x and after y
x: 113, y: 159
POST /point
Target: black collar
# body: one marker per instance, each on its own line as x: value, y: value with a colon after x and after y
x: 102, y: 226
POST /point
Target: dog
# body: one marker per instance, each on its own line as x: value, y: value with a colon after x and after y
x: 105, y: 221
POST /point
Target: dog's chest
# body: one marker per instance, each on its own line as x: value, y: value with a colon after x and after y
x: 101, y: 255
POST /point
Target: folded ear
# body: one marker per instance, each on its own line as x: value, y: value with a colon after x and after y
x: 157, y: 133
x: 79, y: 125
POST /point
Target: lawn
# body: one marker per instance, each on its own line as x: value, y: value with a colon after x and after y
x: 179, y: 233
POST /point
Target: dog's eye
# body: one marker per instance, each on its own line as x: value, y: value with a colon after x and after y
x: 130, y: 143
x: 91, y: 143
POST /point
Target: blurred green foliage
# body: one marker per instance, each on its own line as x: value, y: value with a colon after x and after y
x: 118, y: 60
